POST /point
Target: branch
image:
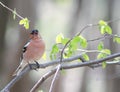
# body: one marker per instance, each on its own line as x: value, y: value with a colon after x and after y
x: 9, y: 9
x: 54, y: 78
x: 14, y: 80
x: 51, y: 72
x: 65, y: 66
x: 42, y: 79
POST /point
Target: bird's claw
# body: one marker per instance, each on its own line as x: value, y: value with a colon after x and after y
x: 34, y: 68
x: 38, y: 65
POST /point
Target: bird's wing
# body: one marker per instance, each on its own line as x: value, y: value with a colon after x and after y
x: 23, y: 62
x: 24, y: 49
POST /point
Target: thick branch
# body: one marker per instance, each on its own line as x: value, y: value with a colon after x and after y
x: 63, y: 66
x: 14, y: 80
x: 47, y: 75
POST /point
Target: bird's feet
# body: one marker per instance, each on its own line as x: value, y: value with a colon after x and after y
x: 34, y: 67
x: 38, y: 65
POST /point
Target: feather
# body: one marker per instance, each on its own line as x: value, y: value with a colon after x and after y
x: 22, y: 65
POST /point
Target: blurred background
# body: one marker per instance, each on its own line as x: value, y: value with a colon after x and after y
x: 52, y: 17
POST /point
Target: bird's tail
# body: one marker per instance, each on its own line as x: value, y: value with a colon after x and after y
x: 22, y: 65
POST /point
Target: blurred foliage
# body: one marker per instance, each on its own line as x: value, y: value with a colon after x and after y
x: 116, y: 39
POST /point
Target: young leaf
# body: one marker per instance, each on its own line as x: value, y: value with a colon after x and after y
x: 104, y: 27
x: 73, y: 45
x: 104, y: 64
x: 76, y: 39
x: 25, y: 23
x: 86, y: 57
x: 64, y: 41
x: 103, y: 53
x: 108, y: 29
x: 100, y: 46
x: 83, y: 42
x: 54, y: 51
x: 116, y: 39
x: 102, y: 22
x: 106, y: 51
x: 68, y: 53
x: 70, y: 50
x: 59, y: 38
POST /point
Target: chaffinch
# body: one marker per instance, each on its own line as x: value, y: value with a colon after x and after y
x: 32, y: 51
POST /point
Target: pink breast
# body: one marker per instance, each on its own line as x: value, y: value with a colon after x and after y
x: 34, y: 51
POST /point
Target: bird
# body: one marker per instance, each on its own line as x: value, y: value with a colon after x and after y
x: 32, y: 51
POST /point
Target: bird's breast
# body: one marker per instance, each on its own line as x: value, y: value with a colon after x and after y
x: 34, y: 51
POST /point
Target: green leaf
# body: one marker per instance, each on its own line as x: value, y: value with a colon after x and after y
x: 14, y: 14
x: 102, y: 22
x: 101, y: 55
x: 21, y: 22
x: 76, y: 39
x: 108, y: 29
x: 68, y: 53
x: 25, y: 23
x: 83, y: 42
x: 54, y: 51
x: 64, y: 41
x: 104, y: 53
x: 116, y: 39
x: 104, y: 64
x: 73, y: 45
x: 100, y: 46
x: 70, y: 50
x: 86, y: 57
x: 59, y: 38
x: 104, y: 27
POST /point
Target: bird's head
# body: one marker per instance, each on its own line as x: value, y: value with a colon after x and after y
x: 34, y: 34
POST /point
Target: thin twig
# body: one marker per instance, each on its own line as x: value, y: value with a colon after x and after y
x: 42, y: 79
x: 100, y: 38
x: 87, y: 26
x: 11, y: 10
x: 54, y: 78
x: 114, y: 20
